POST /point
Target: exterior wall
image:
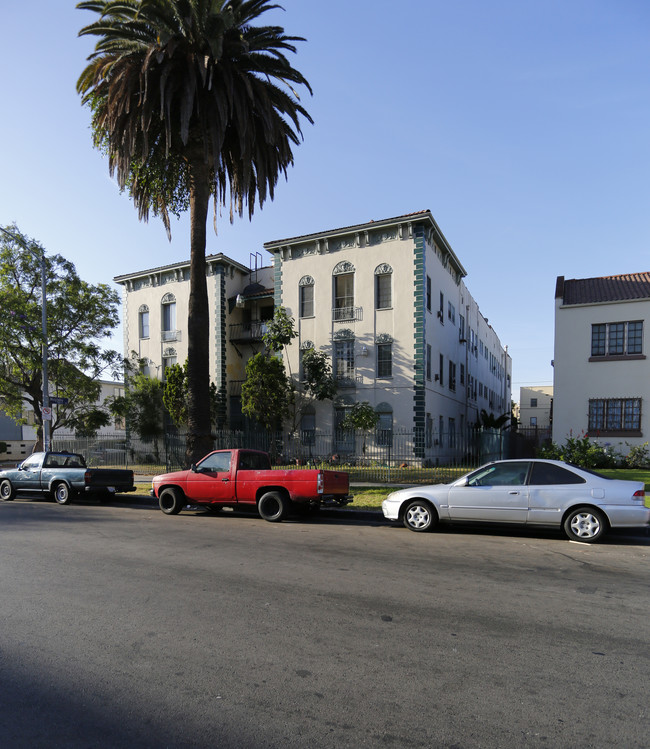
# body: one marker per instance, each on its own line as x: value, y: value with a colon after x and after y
x: 541, y: 412
x: 422, y: 267
x: 577, y: 379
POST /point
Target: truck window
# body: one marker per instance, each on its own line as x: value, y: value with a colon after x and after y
x: 254, y: 462
x: 216, y: 463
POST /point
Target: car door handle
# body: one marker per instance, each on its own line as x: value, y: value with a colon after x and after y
x: 226, y: 480
x: 513, y: 492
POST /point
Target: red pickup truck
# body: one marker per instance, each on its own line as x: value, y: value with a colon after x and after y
x: 236, y: 478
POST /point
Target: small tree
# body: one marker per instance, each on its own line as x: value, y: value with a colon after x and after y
x: 266, y: 394
x: 361, y: 416
x: 175, y: 395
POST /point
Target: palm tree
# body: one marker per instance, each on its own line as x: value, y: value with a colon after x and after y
x: 191, y: 101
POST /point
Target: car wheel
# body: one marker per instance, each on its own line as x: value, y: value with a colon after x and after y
x: 62, y: 494
x: 585, y: 524
x: 273, y: 507
x: 419, y: 516
x: 7, y: 491
x: 171, y: 501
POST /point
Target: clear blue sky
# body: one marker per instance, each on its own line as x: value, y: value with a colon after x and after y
x: 523, y: 126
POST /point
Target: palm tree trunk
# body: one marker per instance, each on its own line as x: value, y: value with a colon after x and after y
x: 199, y: 439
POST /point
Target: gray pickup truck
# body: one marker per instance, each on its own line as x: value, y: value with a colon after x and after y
x: 62, y: 475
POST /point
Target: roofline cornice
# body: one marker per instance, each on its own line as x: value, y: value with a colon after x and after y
x: 217, y: 259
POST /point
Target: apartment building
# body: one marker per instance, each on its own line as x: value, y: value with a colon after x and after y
x: 536, y: 406
x: 385, y: 300
x: 601, y: 374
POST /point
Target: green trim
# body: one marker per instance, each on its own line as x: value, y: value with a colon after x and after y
x: 418, y: 341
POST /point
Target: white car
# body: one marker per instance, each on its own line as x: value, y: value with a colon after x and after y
x: 531, y: 492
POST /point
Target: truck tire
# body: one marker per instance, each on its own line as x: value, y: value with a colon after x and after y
x: 7, y: 491
x: 273, y: 506
x: 171, y: 500
x: 62, y: 494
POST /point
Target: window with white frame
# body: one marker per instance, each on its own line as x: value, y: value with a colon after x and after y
x: 168, y: 310
x: 383, y: 286
x: 385, y: 425
x: 143, y: 321
x: 306, y: 292
x: 343, y: 291
x: 344, y: 360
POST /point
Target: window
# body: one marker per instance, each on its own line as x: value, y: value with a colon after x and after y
x: 306, y: 297
x: 452, y: 375
x: 614, y: 416
x: 441, y: 369
x: 216, y: 463
x: 169, y: 318
x: 617, y: 339
x: 461, y: 328
x: 462, y: 374
x: 385, y: 425
x: 383, y: 290
x: 169, y: 359
x: 533, y: 421
x: 429, y: 293
x: 384, y: 360
x: 308, y: 427
x: 441, y: 309
x: 143, y: 321
x: 428, y: 434
x: 533, y: 402
x: 452, y: 432
x: 451, y: 313
x: 500, y: 474
x: 344, y: 296
x: 344, y: 360
x: 428, y: 363
x: 547, y: 474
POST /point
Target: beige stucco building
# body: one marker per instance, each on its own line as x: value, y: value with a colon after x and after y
x: 601, y: 371
x: 536, y: 406
x: 385, y: 300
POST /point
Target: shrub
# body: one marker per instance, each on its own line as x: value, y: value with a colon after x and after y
x: 582, y: 452
x: 638, y: 456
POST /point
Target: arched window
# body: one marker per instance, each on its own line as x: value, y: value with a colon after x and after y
x: 143, y: 321
x: 306, y: 291
x: 168, y: 328
x: 343, y: 275
x: 383, y: 286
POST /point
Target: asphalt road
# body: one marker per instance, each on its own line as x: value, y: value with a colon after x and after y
x: 122, y: 627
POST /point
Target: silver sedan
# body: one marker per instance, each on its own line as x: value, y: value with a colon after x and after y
x: 531, y: 492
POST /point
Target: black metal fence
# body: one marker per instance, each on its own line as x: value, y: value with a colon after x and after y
x: 384, y: 456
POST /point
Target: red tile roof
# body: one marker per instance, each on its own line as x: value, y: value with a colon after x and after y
x: 606, y: 289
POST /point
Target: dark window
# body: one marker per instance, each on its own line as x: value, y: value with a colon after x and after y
x: 615, y: 415
x: 533, y: 402
x: 344, y: 297
x: 547, y: 474
x: 429, y: 293
x: 617, y: 339
x: 384, y: 359
x: 383, y: 291
x: 306, y: 301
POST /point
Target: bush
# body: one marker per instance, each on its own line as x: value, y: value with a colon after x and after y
x: 582, y: 452
x: 637, y: 456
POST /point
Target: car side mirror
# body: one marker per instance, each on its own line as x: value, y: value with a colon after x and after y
x: 193, y: 468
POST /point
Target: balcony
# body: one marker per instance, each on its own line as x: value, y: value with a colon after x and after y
x: 345, y: 314
x: 247, y: 331
x: 166, y: 336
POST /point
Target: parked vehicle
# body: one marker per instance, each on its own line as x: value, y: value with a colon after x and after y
x: 244, y: 478
x: 534, y: 492
x: 62, y: 475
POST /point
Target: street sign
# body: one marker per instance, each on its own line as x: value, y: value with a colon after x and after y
x: 47, y: 413
x: 59, y: 401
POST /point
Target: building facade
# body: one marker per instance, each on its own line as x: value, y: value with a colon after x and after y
x: 601, y: 373
x: 535, y: 407
x: 386, y: 301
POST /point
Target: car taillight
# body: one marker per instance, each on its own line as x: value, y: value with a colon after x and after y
x: 320, y: 482
x: 87, y: 476
x: 639, y: 495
